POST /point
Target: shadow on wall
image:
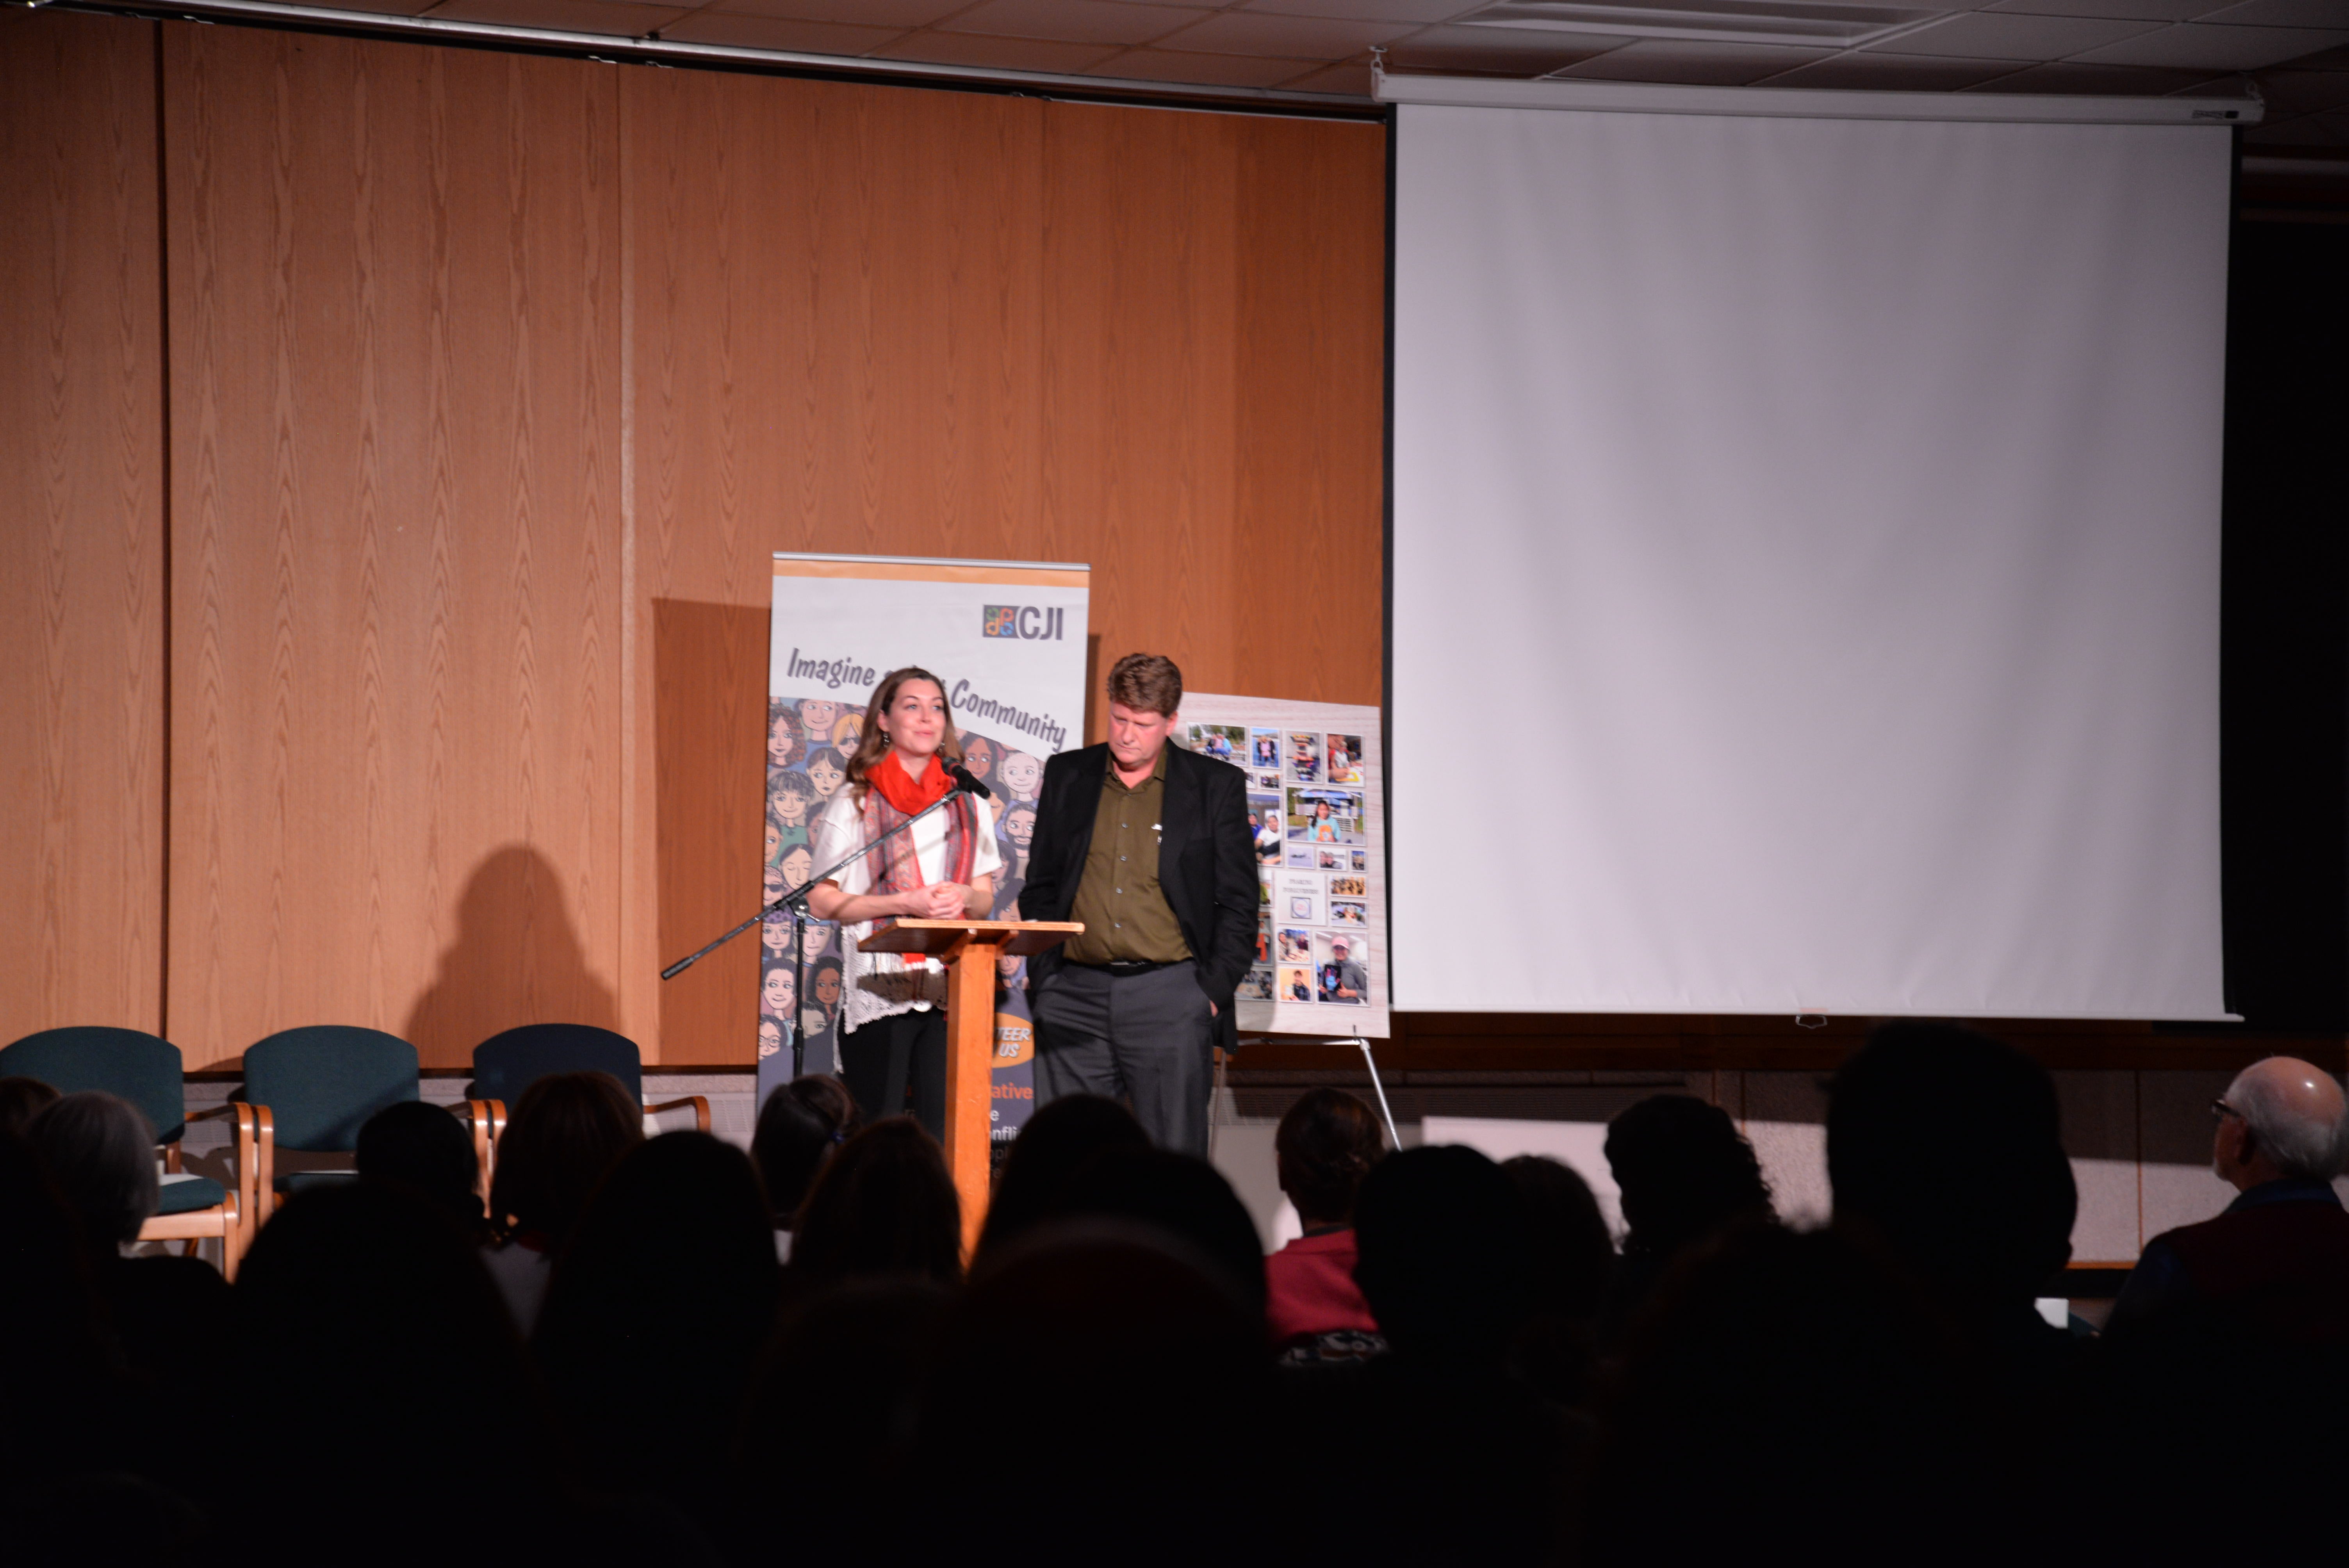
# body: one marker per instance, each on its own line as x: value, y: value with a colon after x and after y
x: 516, y: 959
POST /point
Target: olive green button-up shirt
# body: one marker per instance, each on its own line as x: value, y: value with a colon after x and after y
x: 1126, y: 918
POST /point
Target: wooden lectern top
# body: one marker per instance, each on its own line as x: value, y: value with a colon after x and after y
x: 936, y: 938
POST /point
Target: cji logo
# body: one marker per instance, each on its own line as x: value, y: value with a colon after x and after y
x: 1029, y: 622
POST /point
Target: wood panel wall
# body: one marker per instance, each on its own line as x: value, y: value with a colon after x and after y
x: 492, y: 384
x: 81, y: 526
x: 991, y: 327
x: 395, y: 508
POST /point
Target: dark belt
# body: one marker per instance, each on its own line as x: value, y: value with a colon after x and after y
x: 1126, y: 968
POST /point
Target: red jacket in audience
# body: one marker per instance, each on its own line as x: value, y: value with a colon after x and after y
x: 1309, y: 1288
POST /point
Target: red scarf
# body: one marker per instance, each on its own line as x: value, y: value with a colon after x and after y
x: 902, y: 790
x: 891, y: 796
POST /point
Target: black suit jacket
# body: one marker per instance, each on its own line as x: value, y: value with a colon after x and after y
x: 1207, y: 863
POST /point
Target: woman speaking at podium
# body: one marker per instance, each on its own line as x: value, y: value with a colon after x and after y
x: 892, y: 1022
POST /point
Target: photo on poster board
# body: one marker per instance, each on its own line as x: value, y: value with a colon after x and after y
x: 1304, y: 766
x: 1326, y: 816
x: 1219, y: 742
x: 1341, y: 759
x: 1268, y: 826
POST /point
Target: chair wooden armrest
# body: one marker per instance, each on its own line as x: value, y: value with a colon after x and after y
x: 245, y: 1198
x: 224, y: 1219
x: 265, y: 1173
x: 700, y: 1109
x: 486, y: 1121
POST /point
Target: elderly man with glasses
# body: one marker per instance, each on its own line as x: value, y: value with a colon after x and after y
x: 2276, y: 1264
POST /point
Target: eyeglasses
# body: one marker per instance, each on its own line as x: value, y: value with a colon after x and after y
x: 2220, y: 1110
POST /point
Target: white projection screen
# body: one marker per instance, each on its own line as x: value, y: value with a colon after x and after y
x: 1805, y: 565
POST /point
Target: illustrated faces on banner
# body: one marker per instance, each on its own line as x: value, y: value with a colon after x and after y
x: 1021, y: 775
x: 775, y: 994
x: 782, y: 739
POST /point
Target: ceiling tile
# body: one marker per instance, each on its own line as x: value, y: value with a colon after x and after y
x: 620, y: 20
x: 1205, y: 70
x: 1989, y: 35
x: 895, y: 14
x: 777, y: 33
x: 2131, y: 10
x: 1893, y: 73
x: 2119, y: 81
x: 2308, y: 130
x: 1353, y: 81
x: 1072, y: 21
x: 2281, y: 14
x: 2290, y: 92
x: 995, y: 53
x: 1496, y: 51
x: 1373, y: 10
x: 2216, y: 48
x: 1299, y: 37
x: 1694, y: 63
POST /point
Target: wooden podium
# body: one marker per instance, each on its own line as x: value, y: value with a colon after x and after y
x: 970, y: 948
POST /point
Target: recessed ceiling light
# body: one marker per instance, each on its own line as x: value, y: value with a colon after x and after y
x: 1720, y: 21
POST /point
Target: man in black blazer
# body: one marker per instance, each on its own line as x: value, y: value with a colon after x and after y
x: 1147, y: 844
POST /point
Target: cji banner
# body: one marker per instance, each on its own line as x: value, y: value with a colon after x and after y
x: 1006, y: 639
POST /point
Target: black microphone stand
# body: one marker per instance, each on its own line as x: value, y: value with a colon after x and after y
x: 795, y: 901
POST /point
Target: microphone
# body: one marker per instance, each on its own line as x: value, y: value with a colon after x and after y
x: 966, y: 781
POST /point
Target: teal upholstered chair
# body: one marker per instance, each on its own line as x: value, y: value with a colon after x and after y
x: 506, y: 1064
x: 145, y: 1069
x: 312, y: 1089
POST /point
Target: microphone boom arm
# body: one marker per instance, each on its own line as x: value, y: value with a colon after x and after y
x: 796, y: 898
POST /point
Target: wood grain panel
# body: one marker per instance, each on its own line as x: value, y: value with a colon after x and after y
x: 394, y: 328
x: 1142, y: 365
x: 836, y: 309
x: 1308, y: 622
x: 81, y: 547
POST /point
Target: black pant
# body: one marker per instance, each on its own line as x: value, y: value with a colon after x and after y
x: 879, y: 1059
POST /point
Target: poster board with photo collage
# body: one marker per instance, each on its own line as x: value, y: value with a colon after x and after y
x: 1316, y: 806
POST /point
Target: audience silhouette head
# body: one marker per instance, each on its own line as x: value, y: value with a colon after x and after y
x: 565, y: 1133
x: 884, y: 1206
x: 2282, y: 1120
x: 419, y: 1146
x: 100, y: 1151
x: 1325, y: 1145
x: 1061, y: 1137
x: 1446, y: 1263
x: 1944, y: 1144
